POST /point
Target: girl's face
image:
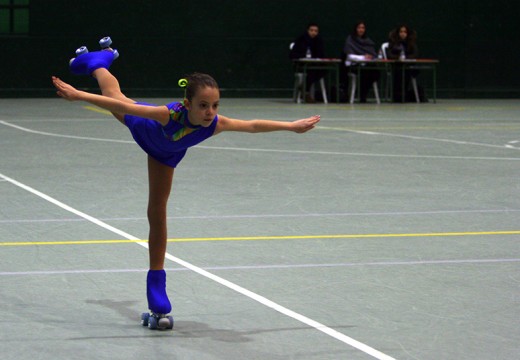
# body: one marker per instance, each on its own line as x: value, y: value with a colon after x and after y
x: 203, y: 107
x: 403, y: 33
x: 360, y: 30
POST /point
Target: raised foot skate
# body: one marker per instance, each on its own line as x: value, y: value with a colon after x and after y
x: 86, y: 62
x: 105, y: 43
x: 79, y: 51
x: 157, y: 321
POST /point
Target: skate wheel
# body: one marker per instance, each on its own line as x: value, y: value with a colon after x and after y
x: 165, y: 323
x: 144, y: 319
x: 82, y: 50
x: 170, y: 319
x: 116, y: 54
x: 105, y: 42
x: 152, y: 323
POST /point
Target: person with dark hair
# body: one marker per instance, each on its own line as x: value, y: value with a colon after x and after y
x: 402, y: 41
x: 359, y: 46
x: 403, y: 45
x: 309, y: 45
x: 164, y: 132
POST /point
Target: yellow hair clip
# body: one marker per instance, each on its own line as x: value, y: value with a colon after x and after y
x: 183, y: 83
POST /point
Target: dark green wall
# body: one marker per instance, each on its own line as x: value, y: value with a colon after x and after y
x: 244, y: 44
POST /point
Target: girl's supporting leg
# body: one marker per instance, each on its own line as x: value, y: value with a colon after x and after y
x: 110, y: 87
x: 160, y: 178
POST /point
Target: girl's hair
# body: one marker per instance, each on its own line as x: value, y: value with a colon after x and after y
x: 193, y: 82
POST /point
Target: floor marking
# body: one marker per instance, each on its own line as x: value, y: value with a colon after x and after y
x: 264, y: 238
x: 269, y: 267
x: 461, y: 142
x: 367, y: 123
x: 98, y: 110
x: 261, y: 299
x: 270, y: 216
x: 509, y: 127
x: 64, y: 136
x: 470, y: 127
x: 406, y: 156
x: 70, y: 242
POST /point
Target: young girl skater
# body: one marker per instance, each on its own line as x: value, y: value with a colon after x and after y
x: 164, y: 132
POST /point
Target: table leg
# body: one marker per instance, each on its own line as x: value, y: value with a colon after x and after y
x: 304, y: 86
x: 336, y: 66
x: 358, y: 82
x: 434, y: 71
x: 402, y: 83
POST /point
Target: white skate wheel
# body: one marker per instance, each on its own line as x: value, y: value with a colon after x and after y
x: 105, y: 42
x: 82, y: 50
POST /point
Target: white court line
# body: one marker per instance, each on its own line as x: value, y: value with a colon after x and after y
x: 274, y: 216
x: 410, y: 156
x: 270, y: 267
x: 405, y: 156
x: 261, y: 299
x: 63, y: 136
x: 513, y: 144
x: 460, y: 142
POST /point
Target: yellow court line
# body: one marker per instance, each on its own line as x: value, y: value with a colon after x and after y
x: 255, y: 238
x: 346, y: 236
x: 368, y: 128
x: 96, y: 109
x: 71, y: 242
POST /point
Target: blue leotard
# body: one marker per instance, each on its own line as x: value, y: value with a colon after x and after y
x: 168, y: 144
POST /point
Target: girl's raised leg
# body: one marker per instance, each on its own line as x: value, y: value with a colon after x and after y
x: 109, y: 86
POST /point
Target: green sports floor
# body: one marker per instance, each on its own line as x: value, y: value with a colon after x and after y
x: 388, y: 232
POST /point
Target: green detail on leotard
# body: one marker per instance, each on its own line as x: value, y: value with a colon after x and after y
x: 179, y: 116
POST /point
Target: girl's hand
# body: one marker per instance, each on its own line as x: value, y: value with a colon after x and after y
x: 304, y: 125
x: 65, y: 90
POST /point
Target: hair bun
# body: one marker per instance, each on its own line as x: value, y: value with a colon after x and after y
x: 183, y: 83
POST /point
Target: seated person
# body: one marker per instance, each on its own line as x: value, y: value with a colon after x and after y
x: 359, y: 46
x: 403, y: 44
x: 309, y: 45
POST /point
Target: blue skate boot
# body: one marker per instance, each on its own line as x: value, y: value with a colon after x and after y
x: 158, y: 302
x: 86, y: 62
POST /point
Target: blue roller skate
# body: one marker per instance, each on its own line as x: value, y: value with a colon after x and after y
x: 86, y: 62
x: 158, y: 302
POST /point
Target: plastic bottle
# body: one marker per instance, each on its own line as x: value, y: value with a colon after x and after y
x: 308, y: 55
x: 402, y: 56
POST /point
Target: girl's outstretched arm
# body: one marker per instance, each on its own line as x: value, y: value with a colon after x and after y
x: 68, y: 92
x: 256, y: 126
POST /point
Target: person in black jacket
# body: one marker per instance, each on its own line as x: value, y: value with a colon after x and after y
x: 359, y: 46
x: 309, y: 45
x: 402, y: 38
x: 403, y: 45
